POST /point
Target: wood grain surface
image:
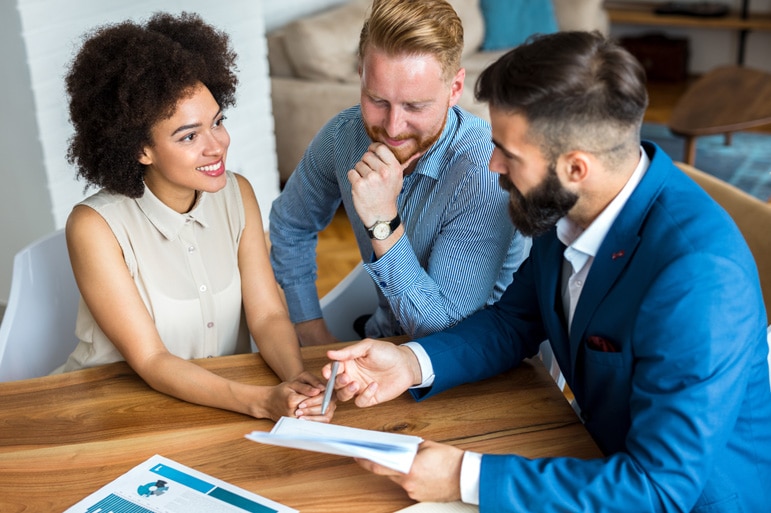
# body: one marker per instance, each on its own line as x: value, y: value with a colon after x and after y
x: 63, y: 437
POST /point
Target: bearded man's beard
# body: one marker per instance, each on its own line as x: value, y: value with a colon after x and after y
x: 405, y: 152
x: 539, y: 210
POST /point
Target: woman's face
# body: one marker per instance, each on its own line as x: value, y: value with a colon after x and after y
x: 188, y: 151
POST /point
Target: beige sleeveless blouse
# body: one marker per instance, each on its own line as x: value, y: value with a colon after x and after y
x: 185, y: 267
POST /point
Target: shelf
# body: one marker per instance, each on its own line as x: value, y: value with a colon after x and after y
x: 641, y: 13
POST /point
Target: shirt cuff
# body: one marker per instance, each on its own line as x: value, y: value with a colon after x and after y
x: 398, y: 270
x: 303, y: 302
x: 469, y: 477
x: 426, y: 368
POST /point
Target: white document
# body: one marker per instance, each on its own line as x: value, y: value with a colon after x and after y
x: 160, y: 485
x: 391, y: 450
x: 440, y: 507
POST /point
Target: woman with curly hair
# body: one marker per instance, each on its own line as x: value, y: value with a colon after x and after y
x: 170, y: 254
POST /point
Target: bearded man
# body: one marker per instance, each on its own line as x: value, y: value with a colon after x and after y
x: 410, y: 168
x: 641, y: 283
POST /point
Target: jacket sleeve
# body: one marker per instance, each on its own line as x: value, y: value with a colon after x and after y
x: 699, y: 365
x: 492, y: 340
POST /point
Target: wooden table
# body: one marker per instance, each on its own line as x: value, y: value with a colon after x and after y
x: 725, y: 100
x: 63, y: 437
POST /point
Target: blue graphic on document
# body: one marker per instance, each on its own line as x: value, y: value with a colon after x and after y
x: 157, y: 488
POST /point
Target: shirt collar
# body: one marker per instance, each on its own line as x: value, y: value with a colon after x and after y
x: 434, y: 160
x: 584, y: 244
x: 166, y: 220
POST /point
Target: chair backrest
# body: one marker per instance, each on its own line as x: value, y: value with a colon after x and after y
x: 752, y: 216
x: 38, y: 329
x: 354, y: 296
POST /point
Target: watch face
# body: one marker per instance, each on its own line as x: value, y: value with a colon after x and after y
x: 381, y: 231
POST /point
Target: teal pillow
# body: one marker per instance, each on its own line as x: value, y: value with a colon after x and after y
x: 509, y: 22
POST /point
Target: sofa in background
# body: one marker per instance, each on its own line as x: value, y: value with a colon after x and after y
x: 314, y: 65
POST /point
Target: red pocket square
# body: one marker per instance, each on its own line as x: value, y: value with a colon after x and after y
x: 601, y: 344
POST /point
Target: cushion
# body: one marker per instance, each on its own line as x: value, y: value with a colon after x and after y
x: 473, y: 24
x: 581, y: 15
x: 509, y: 23
x: 278, y: 61
x: 324, y: 46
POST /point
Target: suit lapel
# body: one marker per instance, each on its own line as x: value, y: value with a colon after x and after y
x: 618, y: 247
x: 551, y: 254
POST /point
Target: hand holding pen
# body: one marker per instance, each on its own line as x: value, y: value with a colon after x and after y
x: 330, y: 387
x: 374, y: 371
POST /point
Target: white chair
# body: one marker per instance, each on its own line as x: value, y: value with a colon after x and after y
x: 353, y: 297
x: 38, y: 329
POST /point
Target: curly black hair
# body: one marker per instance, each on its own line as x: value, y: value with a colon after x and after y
x: 126, y: 78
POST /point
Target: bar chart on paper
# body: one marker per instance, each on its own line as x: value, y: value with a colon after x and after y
x: 114, y: 504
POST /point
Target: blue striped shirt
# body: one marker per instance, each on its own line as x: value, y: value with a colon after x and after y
x: 459, y: 250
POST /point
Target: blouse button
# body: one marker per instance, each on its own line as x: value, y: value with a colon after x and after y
x: 209, y: 324
x: 190, y: 249
x: 202, y: 288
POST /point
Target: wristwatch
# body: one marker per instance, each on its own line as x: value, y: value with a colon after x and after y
x: 381, y: 230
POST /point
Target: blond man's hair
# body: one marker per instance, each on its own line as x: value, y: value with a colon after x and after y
x: 415, y: 27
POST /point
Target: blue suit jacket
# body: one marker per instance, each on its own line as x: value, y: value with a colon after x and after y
x: 682, y: 409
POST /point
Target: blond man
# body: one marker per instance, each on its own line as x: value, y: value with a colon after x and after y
x: 410, y: 168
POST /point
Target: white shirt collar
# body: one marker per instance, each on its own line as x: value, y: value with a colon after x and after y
x: 583, y: 244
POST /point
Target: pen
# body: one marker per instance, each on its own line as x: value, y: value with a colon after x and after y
x: 330, y: 388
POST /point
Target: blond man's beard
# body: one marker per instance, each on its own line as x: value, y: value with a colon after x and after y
x: 405, y: 152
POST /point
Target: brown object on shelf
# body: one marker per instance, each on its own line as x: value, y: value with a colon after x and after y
x: 664, y: 58
x: 641, y: 13
x: 725, y: 100
x: 698, y: 9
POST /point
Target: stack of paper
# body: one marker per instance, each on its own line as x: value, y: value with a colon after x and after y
x: 391, y: 450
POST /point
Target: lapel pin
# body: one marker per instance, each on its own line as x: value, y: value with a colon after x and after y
x: 617, y: 254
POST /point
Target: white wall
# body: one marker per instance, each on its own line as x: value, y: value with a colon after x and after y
x: 39, y: 38
x: 714, y: 47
